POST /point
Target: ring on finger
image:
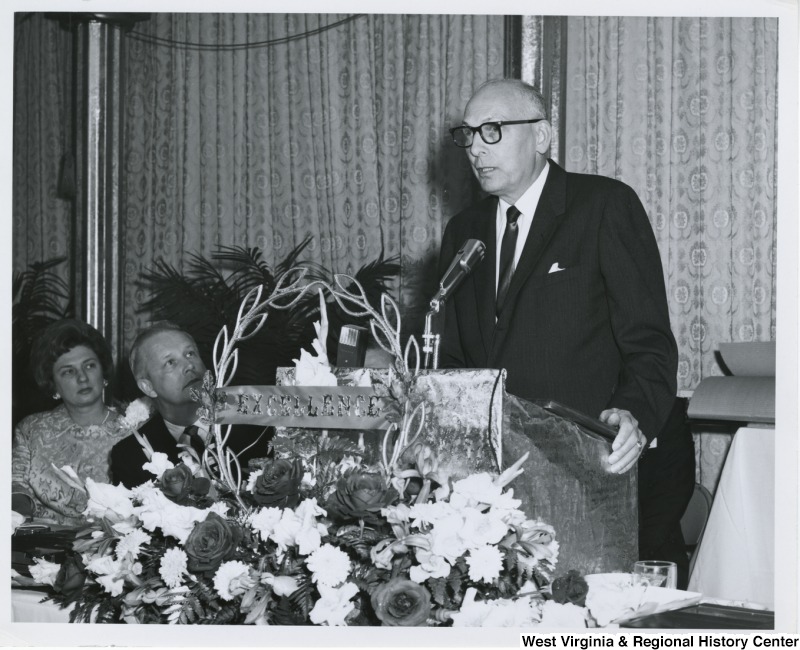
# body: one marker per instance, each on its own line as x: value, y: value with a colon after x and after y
x: 639, y: 444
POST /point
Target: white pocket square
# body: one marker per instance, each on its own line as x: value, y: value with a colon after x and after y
x: 555, y: 268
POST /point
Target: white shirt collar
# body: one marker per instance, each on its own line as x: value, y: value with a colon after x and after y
x: 527, y: 205
x: 176, y: 430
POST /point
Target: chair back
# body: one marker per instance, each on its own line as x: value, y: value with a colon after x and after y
x: 693, y: 522
x: 695, y: 517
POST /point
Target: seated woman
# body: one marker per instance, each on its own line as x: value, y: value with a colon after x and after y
x: 72, y: 361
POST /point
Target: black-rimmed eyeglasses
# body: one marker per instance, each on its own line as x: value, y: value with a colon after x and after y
x: 491, y: 132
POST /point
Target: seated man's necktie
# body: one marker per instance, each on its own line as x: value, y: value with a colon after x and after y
x: 193, y: 433
x: 507, y: 250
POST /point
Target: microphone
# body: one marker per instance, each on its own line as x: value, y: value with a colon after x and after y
x: 465, y: 260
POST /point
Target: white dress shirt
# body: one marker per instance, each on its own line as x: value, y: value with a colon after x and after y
x: 526, y: 204
x: 177, y: 432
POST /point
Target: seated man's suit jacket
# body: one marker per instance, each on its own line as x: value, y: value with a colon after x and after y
x: 594, y: 335
x: 127, y: 456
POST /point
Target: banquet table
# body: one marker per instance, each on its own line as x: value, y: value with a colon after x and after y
x: 27, y: 607
x: 736, y: 558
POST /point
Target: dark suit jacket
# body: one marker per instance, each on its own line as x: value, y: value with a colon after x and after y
x: 593, y: 336
x: 127, y: 456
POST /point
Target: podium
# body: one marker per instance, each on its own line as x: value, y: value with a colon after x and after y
x: 566, y: 483
x: 474, y: 425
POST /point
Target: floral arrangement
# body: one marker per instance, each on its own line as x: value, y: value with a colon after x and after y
x: 349, y: 551
x: 315, y: 534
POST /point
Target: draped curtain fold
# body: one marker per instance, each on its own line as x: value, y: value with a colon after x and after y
x: 43, y: 142
x: 544, y: 65
x: 685, y: 111
x: 339, y: 135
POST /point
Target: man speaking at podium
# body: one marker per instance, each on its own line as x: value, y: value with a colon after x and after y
x: 570, y: 297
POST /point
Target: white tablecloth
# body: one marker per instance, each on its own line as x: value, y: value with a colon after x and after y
x: 736, y: 558
x: 26, y: 607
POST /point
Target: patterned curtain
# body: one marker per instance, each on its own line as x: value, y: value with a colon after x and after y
x: 684, y: 110
x: 42, y: 152
x: 264, y: 129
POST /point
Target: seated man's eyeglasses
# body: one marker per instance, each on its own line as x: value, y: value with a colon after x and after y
x: 491, y: 132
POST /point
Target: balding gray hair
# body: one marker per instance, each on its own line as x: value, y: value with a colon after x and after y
x: 529, y: 98
x: 135, y: 358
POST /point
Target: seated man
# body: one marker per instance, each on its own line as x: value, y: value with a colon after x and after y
x: 166, y: 365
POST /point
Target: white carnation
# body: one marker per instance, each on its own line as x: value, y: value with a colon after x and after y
x: 131, y: 543
x: 44, y: 572
x: 329, y: 565
x: 173, y: 567
x: 265, y: 520
x: 485, y: 564
x: 477, y: 489
x: 138, y: 412
x: 232, y: 579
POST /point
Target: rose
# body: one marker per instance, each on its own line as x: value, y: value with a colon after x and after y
x: 71, y: 577
x: 178, y: 484
x: 571, y: 588
x: 401, y: 602
x: 278, y: 486
x: 360, y: 494
x: 211, y: 542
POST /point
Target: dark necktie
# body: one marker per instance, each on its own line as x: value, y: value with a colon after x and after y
x: 195, y: 440
x: 507, y: 249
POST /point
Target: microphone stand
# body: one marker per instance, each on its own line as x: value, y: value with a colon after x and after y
x: 430, y: 340
x: 468, y: 255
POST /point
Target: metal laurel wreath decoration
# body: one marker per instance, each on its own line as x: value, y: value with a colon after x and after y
x: 350, y: 296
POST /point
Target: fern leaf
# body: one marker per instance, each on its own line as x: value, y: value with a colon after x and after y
x: 438, y: 589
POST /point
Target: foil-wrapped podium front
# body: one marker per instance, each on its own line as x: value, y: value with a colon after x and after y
x: 475, y: 426
x: 566, y: 483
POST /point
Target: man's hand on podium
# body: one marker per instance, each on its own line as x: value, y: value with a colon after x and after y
x: 629, y: 443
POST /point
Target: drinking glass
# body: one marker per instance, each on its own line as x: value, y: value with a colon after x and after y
x: 655, y: 573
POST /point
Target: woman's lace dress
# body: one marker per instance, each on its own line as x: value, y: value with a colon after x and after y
x: 51, y: 438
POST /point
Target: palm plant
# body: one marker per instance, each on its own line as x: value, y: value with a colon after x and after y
x: 40, y: 297
x: 208, y: 293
